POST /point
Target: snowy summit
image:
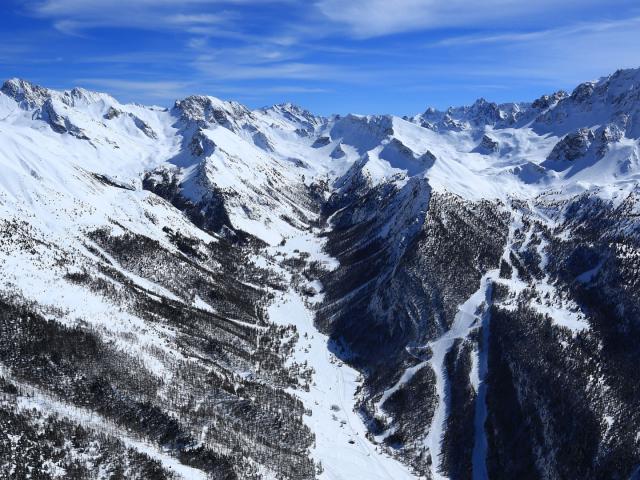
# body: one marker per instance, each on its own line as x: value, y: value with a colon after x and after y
x: 213, y: 291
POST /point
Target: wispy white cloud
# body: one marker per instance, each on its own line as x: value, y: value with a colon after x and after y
x: 222, y: 89
x: 166, y: 91
x: 77, y: 16
x: 298, y: 89
x: 152, y: 89
x: 592, y: 28
x: 371, y: 18
x: 280, y: 70
x: 560, y: 57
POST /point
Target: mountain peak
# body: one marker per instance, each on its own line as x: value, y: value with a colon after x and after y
x: 25, y: 93
x: 30, y: 95
x: 288, y: 107
x: 296, y: 114
x: 84, y: 96
x: 209, y: 109
x: 291, y: 110
x: 411, y: 247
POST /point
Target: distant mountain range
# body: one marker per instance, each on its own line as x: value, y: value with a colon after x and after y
x: 209, y: 291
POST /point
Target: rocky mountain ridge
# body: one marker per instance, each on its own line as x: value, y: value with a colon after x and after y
x: 218, y: 292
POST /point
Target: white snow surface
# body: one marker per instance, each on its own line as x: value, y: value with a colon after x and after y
x: 331, y: 400
x: 341, y: 444
x: 259, y: 160
x: 260, y: 153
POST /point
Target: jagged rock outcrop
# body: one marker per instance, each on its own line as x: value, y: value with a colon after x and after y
x: 321, y: 142
x: 573, y: 146
x: 200, y: 109
x: 487, y: 145
x: 547, y: 101
x: 25, y: 93
x: 58, y: 122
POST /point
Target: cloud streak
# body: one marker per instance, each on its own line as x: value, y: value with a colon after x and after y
x: 75, y: 16
x: 371, y: 18
x: 540, y: 35
x: 150, y: 89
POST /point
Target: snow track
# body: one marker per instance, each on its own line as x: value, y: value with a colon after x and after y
x: 341, y: 443
x: 404, y: 379
x: 467, y: 318
x: 479, y: 372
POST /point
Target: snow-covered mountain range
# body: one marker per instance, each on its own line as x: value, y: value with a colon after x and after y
x: 209, y: 291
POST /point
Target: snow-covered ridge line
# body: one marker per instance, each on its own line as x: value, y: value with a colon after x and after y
x: 262, y: 154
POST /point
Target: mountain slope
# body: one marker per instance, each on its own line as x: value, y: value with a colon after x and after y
x: 472, y: 276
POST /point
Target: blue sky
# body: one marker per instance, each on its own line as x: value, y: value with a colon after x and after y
x: 331, y: 56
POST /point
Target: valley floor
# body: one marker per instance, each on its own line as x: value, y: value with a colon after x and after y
x: 341, y: 445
